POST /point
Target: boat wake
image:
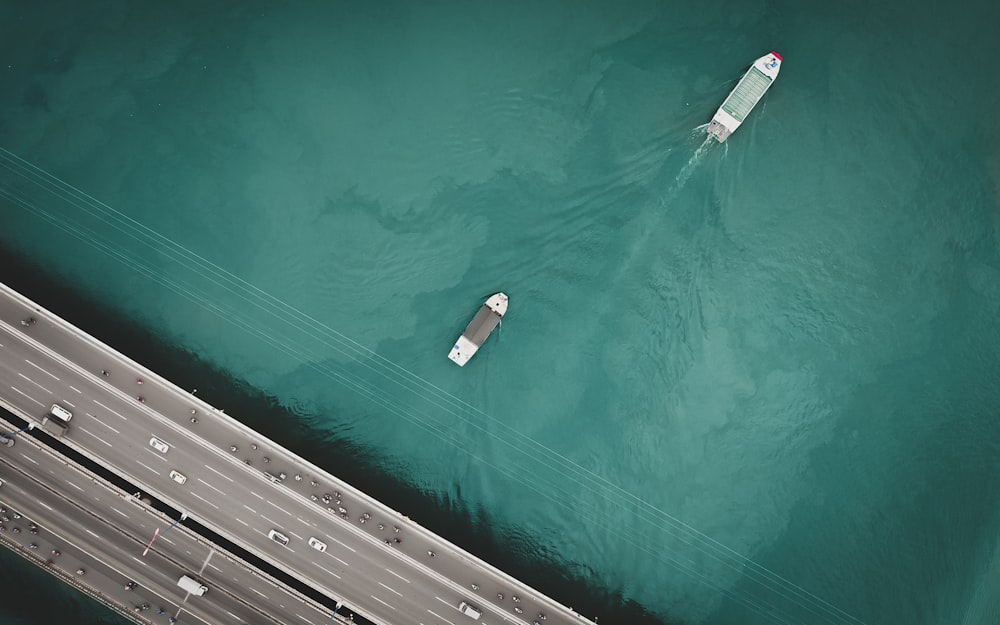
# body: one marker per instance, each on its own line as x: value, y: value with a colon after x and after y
x: 689, y: 168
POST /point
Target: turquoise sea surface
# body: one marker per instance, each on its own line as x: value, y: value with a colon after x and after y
x: 738, y: 384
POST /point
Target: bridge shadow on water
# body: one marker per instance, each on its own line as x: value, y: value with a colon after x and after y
x: 359, y: 466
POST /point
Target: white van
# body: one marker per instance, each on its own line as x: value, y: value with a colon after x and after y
x: 192, y: 585
x: 468, y: 610
x: 60, y: 413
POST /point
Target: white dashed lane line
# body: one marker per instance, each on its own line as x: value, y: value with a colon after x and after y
x: 86, y: 431
x: 391, y: 572
x: 117, y: 414
x: 436, y: 615
x: 390, y: 589
x: 217, y: 472
x: 26, y: 396
x: 142, y: 464
x: 205, y: 500
x: 351, y: 549
x: 212, y: 487
x: 98, y: 419
x: 51, y: 375
x: 326, y: 570
x: 30, y: 381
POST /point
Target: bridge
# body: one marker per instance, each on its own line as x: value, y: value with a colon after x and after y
x: 358, y: 553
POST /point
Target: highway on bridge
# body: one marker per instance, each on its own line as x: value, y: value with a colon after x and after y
x: 375, y: 560
x: 100, y: 534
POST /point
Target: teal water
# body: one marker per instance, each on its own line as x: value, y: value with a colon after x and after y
x: 745, y: 383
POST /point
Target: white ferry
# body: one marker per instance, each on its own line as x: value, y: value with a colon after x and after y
x: 479, y: 329
x: 748, y: 92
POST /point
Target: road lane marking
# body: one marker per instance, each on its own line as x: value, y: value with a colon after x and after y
x: 120, y: 512
x: 210, y: 486
x: 218, y: 473
x: 326, y: 569
x: 114, y: 412
x: 205, y: 563
x: 243, y: 522
x: 249, y: 508
x: 148, y: 467
x: 92, y: 534
x: 348, y: 547
x: 76, y: 389
x: 233, y: 615
x: 75, y: 486
x: 98, y: 419
x: 398, y: 575
x: 344, y: 562
x: 32, y: 460
x: 26, y: 396
x: 205, y: 500
x: 86, y: 431
x: 307, y: 620
x: 41, y: 503
x: 27, y: 379
x: 306, y: 523
x: 257, y: 591
x: 390, y: 589
x: 159, y: 454
x: 257, y: 496
x: 382, y: 602
x: 51, y: 375
x: 436, y: 615
x: 277, y: 507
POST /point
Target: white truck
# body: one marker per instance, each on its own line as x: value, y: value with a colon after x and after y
x: 469, y: 610
x: 192, y: 585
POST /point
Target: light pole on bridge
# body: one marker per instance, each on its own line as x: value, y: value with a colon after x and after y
x: 8, y: 439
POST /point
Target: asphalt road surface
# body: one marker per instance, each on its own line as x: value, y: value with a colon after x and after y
x: 376, y: 561
x: 90, y: 533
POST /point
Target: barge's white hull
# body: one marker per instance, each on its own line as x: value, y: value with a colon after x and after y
x: 748, y: 92
x: 479, y: 329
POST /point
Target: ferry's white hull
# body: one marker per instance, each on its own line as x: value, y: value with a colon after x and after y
x: 748, y: 92
x: 482, y: 325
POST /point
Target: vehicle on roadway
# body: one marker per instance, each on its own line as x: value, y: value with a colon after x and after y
x: 159, y: 445
x: 278, y: 537
x: 178, y: 477
x: 468, y: 609
x: 192, y: 585
x: 53, y: 426
x: 60, y: 413
x: 317, y: 544
x: 277, y: 479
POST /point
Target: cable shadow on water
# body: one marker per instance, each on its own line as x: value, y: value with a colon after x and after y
x: 406, y: 395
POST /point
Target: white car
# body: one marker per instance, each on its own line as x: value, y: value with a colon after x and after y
x: 317, y: 544
x: 178, y: 477
x: 159, y: 445
x: 60, y: 413
x: 278, y: 537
